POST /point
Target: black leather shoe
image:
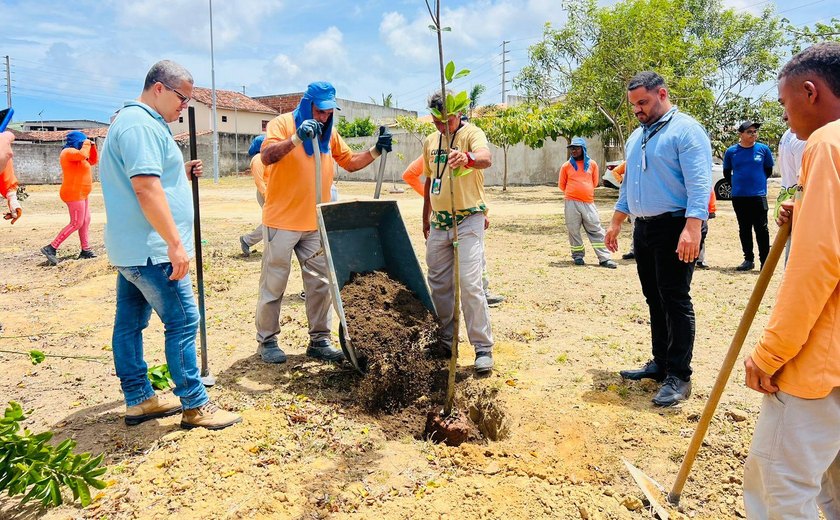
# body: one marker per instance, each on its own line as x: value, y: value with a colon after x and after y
x: 629, y: 256
x: 746, y: 265
x: 651, y: 370
x: 674, y: 390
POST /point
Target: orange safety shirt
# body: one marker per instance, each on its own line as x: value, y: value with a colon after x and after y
x: 412, y: 175
x: 801, y: 345
x: 578, y: 184
x: 290, y: 191
x: 76, y: 176
x: 8, y: 181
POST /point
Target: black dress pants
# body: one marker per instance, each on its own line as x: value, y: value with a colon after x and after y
x: 752, y: 215
x: 666, y: 284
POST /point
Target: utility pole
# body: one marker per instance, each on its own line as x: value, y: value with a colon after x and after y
x: 213, y: 86
x: 8, y: 83
x: 504, y: 72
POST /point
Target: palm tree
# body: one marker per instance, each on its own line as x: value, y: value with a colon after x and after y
x: 475, y: 93
x: 387, y: 101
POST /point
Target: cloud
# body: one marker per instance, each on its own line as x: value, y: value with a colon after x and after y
x: 413, y: 41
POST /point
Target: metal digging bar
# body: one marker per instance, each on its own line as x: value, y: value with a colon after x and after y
x: 206, y: 377
x: 381, y: 172
x: 647, y: 484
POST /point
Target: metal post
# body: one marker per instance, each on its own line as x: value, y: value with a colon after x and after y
x: 213, y: 89
x: 235, y: 139
x: 504, y: 72
x: 8, y: 83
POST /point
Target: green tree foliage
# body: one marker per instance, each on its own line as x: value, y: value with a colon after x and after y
x: 37, y: 470
x: 356, y: 128
x: 803, y: 37
x: 710, y: 57
x: 415, y: 128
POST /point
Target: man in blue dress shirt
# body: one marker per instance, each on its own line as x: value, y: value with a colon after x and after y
x: 747, y: 165
x: 667, y: 185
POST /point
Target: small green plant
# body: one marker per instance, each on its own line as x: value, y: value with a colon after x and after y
x: 37, y: 357
x: 21, y: 192
x: 160, y: 377
x: 562, y: 358
x: 30, y: 466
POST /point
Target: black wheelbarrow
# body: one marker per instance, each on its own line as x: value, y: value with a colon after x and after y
x: 362, y: 236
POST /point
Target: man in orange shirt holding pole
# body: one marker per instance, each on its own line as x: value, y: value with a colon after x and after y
x: 577, y: 180
x: 794, y: 460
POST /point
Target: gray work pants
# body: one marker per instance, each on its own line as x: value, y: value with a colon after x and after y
x: 794, y: 460
x: 255, y: 237
x: 276, y: 266
x: 585, y: 214
x: 440, y: 260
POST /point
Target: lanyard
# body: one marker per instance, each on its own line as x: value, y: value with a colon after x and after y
x: 438, y: 173
x: 659, y: 125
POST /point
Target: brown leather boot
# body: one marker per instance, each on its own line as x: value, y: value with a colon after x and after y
x: 208, y: 416
x: 157, y: 406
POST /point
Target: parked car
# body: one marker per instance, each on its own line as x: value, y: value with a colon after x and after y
x: 722, y: 187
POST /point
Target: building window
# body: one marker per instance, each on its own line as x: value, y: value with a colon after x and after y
x: 264, y: 124
x: 181, y: 119
x: 224, y: 119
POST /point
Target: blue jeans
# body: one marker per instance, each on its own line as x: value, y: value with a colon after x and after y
x: 139, y: 290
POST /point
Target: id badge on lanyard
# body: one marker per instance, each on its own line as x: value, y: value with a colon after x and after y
x: 436, y: 186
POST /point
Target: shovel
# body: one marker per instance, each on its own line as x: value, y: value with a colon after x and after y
x: 381, y: 174
x: 206, y: 377
x: 647, y: 484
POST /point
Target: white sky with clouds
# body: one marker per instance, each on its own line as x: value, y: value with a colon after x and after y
x: 83, y: 59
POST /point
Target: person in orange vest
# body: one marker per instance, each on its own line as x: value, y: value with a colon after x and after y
x: 793, y: 466
x: 701, y: 260
x: 411, y: 176
x: 577, y: 180
x: 8, y: 181
x: 76, y: 159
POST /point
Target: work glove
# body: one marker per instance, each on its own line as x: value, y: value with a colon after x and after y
x: 383, y: 143
x: 309, y: 129
x: 15, y: 211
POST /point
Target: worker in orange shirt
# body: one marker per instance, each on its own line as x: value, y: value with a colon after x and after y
x: 577, y: 180
x: 76, y: 159
x: 411, y: 176
x: 8, y: 181
x: 289, y: 216
x: 794, y: 462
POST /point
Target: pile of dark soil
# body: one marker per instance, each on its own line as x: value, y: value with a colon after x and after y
x: 390, y: 329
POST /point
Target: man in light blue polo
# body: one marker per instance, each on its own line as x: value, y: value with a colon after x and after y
x: 149, y: 240
x: 666, y: 186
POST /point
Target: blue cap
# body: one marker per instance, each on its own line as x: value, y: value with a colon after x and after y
x: 577, y: 141
x: 322, y: 94
x: 75, y: 139
x: 256, y: 144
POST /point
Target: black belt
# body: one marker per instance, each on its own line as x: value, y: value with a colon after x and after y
x: 663, y: 216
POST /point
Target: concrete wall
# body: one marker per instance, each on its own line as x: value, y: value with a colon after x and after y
x: 37, y: 163
x: 525, y: 166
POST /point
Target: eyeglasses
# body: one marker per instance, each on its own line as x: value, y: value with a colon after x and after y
x: 751, y: 132
x: 184, y: 99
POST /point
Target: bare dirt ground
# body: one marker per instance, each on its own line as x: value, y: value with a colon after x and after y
x: 307, y: 449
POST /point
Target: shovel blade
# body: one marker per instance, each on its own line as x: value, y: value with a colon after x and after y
x: 651, y: 489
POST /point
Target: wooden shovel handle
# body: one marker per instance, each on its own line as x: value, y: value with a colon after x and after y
x: 729, y: 361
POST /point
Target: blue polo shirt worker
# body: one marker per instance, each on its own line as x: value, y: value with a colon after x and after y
x: 149, y: 239
x: 666, y: 186
x: 747, y: 165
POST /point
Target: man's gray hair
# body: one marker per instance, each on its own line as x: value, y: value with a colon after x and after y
x: 821, y: 60
x: 167, y: 72
x: 438, y: 102
x: 648, y: 79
